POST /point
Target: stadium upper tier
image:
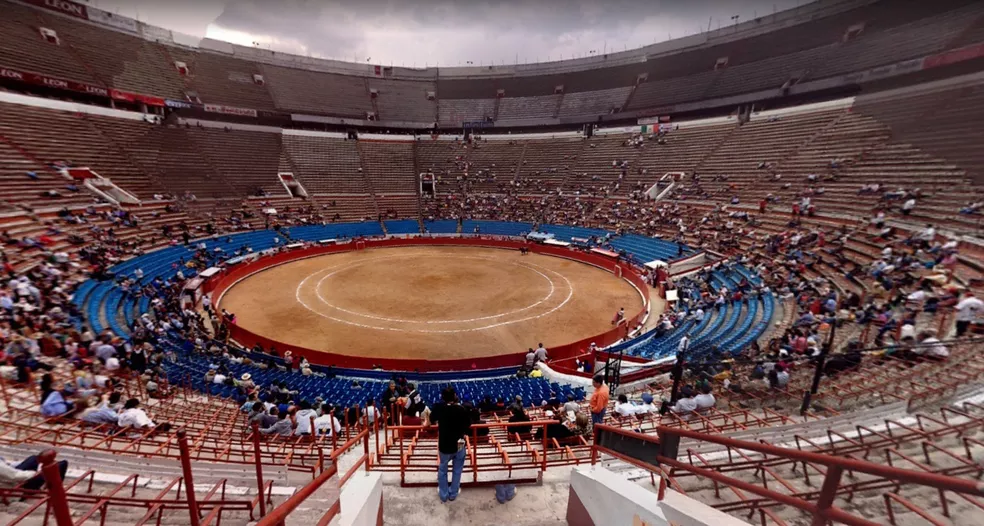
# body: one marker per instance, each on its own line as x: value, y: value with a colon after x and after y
x: 132, y: 62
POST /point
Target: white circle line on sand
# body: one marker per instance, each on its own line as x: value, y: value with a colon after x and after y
x: 297, y: 296
x: 317, y: 291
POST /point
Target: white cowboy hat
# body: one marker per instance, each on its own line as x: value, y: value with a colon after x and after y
x: 246, y: 377
x: 288, y: 353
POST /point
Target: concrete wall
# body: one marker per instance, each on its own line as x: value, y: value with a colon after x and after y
x: 362, y: 500
x: 600, y: 497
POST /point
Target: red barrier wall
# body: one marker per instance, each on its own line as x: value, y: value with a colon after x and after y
x: 221, y: 282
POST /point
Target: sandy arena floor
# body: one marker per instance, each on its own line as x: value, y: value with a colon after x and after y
x: 430, y: 303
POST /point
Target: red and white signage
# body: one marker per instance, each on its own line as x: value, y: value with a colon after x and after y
x: 64, y: 7
x: 52, y: 82
x: 136, y: 97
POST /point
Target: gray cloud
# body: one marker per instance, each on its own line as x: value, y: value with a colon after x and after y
x: 447, y: 32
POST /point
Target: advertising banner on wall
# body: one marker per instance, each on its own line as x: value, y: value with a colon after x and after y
x: 230, y: 110
x: 43, y: 80
x: 64, y: 7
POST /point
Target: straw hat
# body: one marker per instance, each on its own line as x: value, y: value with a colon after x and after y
x: 245, y: 377
x: 288, y: 353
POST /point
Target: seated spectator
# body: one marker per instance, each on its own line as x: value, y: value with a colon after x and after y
x: 930, y: 346
x: 519, y: 415
x: 28, y: 473
x: 133, y: 416
x: 327, y: 424
x: 282, y: 427
x: 686, y: 404
x: 705, y: 400
x: 624, y: 408
x: 107, y: 412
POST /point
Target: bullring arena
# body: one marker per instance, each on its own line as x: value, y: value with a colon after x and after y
x: 249, y: 288
x: 430, y: 303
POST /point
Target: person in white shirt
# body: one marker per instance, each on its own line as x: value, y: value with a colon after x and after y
x: 705, y: 400
x: 684, y: 344
x: 370, y: 412
x: 540, y: 354
x: 303, y: 417
x: 908, y: 206
x: 968, y: 311
x: 623, y: 408
x: 112, y: 363
x: 219, y: 378
x: 133, y: 416
x: 327, y: 424
x: 930, y: 346
x: 686, y: 404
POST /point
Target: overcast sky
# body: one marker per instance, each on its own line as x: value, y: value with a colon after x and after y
x: 443, y: 32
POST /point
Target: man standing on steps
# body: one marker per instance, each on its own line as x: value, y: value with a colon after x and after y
x: 452, y: 422
x: 599, y: 400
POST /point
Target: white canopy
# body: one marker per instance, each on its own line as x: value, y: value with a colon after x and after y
x: 557, y: 243
x: 657, y: 263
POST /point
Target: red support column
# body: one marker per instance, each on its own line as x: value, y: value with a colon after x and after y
x: 259, y: 467
x: 189, y: 481
x: 827, y: 494
x: 56, y: 491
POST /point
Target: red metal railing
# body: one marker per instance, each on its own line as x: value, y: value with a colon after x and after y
x: 279, y: 514
x: 822, y: 509
x: 397, y: 435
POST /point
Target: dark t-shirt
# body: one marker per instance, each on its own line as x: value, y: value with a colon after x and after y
x: 452, y: 422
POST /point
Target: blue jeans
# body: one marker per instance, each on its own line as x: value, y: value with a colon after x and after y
x: 598, y: 418
x: 458, y: 464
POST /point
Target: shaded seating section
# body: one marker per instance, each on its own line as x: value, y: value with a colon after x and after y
x: 388, y: 166
x: 400, y: 100
x: 60, y: 136
x: 220, y: 79
x: 22, y: 46
x: 122, y: 61
x: 453, y: 112
x: 543, y: 107
x: 315, y: 92
x: 600, y: 102
x: 247, y: 160
x: 326, y: 166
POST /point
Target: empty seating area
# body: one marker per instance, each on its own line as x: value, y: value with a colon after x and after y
x: 59, y: 136
x: 389, y: 166
x: 453, y: 112
x: 248, y: 160
x: 122, y: 61
x: 306, y: 91
x: 600, y: 102
x: 219, y: 79
x: 326, y: 166
x: 543, y: 107
x: 400, y: 100
x: 23, y: 47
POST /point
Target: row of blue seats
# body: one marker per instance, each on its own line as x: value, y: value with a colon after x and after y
x: 339, y: 391
x: 402, y: 226
x: 443, y: 226
x: 647, y: 249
